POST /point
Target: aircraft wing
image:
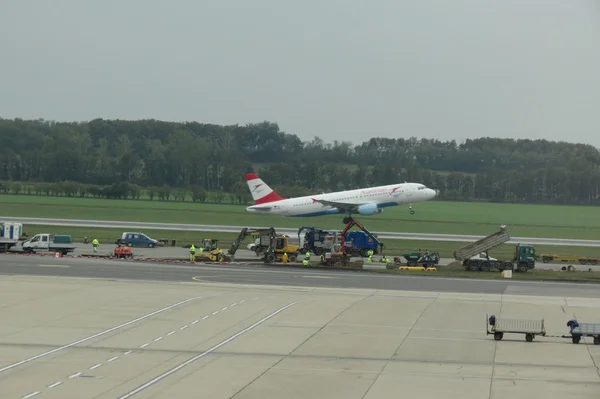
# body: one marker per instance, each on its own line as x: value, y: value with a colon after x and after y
x: 342, y: 206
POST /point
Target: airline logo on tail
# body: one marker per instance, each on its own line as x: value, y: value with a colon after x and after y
x: 261, y: 192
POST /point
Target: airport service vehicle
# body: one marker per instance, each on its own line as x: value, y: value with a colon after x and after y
x: 136, y: 240
x: 50, y: 243
x: 358, y: 243
x: 523, y: 260
x: 501, y: 326
x: 272, y: 245
x: 362, y: 201
x: 211, y: 252
x: 425, y: 259
x: 583, y: 260
x: 338, y: 250
x: 579, y: 330
x: 10, y: 234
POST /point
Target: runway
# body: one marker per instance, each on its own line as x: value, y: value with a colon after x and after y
x: 277, y: 275
x: 283, y: 230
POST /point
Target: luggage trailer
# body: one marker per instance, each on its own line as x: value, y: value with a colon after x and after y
x: 532, y: 327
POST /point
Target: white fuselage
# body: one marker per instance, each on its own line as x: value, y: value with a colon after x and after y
x: 367, y: 199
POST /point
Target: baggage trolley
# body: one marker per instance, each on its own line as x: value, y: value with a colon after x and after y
x: 500, y: 326
x: 579, y: 330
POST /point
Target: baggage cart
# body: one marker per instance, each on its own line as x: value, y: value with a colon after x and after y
x: 501, y: 326
x: 579, y: 330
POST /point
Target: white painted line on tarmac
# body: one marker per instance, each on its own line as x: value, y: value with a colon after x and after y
x: 112, y: 359
x: 183, y: 328
x: 225, y: 308
x: 127, y: 353
x: 59, y: 266
x: 316, y: 277
x: 157, y: 339
x: 171, y: 333
x: 205, y: 317
x: 242, y: 301
x: 214, y: 313
x: 145, y: 345
x: 57, y: 383
x: 31, y: 395
x: 94, y: 367
x: 195, y: 321
x: 233, y: 304
x: 182, y: 365
x: 10, y: 366
x: 75, y: 375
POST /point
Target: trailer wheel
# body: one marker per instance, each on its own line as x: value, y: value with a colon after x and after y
x: 594, y: 261
x: 270, y: 258
x: 582, y: 261
x: 597, y: 340
x: 529, y: 337
x: 498, y: 336
x: 546, y: 259
x: 576, y: 339
x: 292, y: 258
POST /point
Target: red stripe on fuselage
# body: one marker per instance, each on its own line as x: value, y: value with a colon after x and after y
x: 271, y: 197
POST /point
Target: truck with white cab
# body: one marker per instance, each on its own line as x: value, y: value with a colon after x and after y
x: 49, y: 243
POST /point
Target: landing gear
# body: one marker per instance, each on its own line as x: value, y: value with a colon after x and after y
x: 347, y: 219
x: 412, y: 211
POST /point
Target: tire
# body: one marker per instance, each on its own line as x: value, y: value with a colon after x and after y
x: 597, y: 340
x: 546, y: 259
x: 507, y: 266
x: 151, y: 245
x: 292, y: 258
x: 364, y: 253
x: 498, y: 336
x: 522, y: 267
x: 129, y: 244
x: 583, y: 262
x: 594, y: 261
x: 412, y: 212
x: 485, y: 266
x: 529, y: 337
x: 474, y: 266
x: 270, y: 258
x: 576, y: 339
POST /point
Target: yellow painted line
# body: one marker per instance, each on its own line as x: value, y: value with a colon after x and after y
x: 64, y: 266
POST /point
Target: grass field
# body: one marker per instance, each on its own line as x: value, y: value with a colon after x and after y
x: 549, y: 221
x: 392, y: 247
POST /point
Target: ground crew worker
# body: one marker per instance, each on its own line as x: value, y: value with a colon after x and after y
x: 384, y: 259
x: 95, y: 244
x: 322, y: 258
x: 306, y: 260
x: 192, y: 253
x: 284, y: 258
x: 370, y: 253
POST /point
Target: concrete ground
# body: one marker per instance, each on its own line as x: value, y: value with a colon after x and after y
x: 88, y: 338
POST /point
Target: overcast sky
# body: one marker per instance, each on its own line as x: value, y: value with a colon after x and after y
x: 338, y: 69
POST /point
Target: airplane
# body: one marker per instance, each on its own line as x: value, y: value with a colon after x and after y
x: 362, y: 201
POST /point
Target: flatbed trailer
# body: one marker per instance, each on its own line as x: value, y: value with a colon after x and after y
x: 501, y: 326
x: 579, y: 330
x: 6, y: 244
x: 583, y: 260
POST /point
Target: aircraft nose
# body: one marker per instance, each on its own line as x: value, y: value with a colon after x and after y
x: 434, y: 192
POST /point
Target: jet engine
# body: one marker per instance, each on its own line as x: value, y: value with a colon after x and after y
x: 369, y: 209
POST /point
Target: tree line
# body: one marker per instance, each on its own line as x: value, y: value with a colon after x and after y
x: 205, y: 163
